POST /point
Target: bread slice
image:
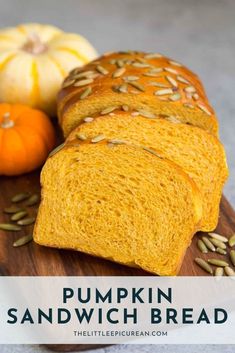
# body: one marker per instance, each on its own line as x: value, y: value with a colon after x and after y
x: 139, y: 80
x: 199, y: 153
x: 120, y: 202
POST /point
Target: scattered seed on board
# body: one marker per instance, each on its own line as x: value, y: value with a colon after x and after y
x: 17, y: 216
x: 204, y: 265
x: 57, y: 149
x: 97, y: 138
x: 218, y: 243
x: 208, y: 243
x: 232, y: 257
x: 202, y: 247
x: 119, y: 72
x: 221, y: 251
x: 231, y: 240
x: 20, y: 197
x: 218, y: 237
x: 26, y: 221
x: 33, y: 200
x: 10, y: 227
x: 219, y: 271
x: 13, y: 209
x: 23, y: 241
x: 108, y: 110
x: 86, y: 93
x: 229, y: 271
x: 217, y: 262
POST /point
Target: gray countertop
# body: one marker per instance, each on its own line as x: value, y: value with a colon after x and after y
x: 199, y: 33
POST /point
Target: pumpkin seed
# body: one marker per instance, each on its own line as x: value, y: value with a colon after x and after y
x: 57, y: 149
x: 140, y: 65
x: 231, y: 240
x: 123, y: 88
x: 32, y: 200
x: 221, y: 251
x: 229, y: 271
x: 172, y: 62
x: 119, y: 72
x: 182, y: 79
x: 232, y: 257
x: 117, y: 142
x: 13, y: 209
x: 153, y: 56
x: 68, y: 83
x: 125, y: 108
x: 190, y: 89
x: 204, y: 265
x: 131, y: 78
x: 175, y: 97
x: 217, y: 262
x: 86, y: 93
x: 172, y: 81
x: 9, y: 227
x: 147, y: 114
x: 88, y: 119
x: 22, y: 241
x: 208, y: 243
x: 151, y: 74
x: 202, y: 247
x: 19, y: 215
x: 218, y: 243
x: 81, y: 137
x: 26, y: 221
x: 152, y: 152
x: 20, y: 197
x: 97, y: 138
x: 101, y: 70
x: 108, y: 110
x: 120, y: 63
x: 219, y: 271
x: 137, y: 86
x: 204, y: 109
x: 83, y: 82
x: 218, y: 237
x: 172, y: 71
x: 162, y: 92
x: 172, y: 119
x: 83, y: 74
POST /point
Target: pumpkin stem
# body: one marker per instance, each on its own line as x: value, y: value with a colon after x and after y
x: 34, y: 45
x: 7, y: 122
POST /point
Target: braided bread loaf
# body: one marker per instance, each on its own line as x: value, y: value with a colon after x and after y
x: 149, y: 82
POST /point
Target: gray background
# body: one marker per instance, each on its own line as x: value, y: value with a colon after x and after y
x: 199, y: 33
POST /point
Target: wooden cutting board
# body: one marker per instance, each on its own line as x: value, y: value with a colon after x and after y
x: 35, y: 260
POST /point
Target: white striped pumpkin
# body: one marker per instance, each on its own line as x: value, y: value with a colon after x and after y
x: 35, y: 59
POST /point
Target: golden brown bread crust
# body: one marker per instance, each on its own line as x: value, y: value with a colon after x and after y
x: 139, y: 80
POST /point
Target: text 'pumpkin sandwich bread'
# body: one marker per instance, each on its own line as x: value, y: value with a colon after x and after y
x: 199, y: 153
x: 122, y: 202
x: 139, y: 80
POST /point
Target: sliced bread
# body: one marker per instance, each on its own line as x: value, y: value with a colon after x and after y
x: 200, y: 154
x: 122, y: 202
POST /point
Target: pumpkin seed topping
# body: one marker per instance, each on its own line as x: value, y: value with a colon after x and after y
x: 208, y: 243
x: 218, y: 237
x: 22, y: 241
x: 120, y: 63
x: 26, y: 221
x: 9, y: 227
x: 153, y: 56
x: 138, y: 86
x: 140, y: 65
x: 232, y: 240
x: 88, y: 119
x: 117, y: 142
x: 102, y: 70
x: 172, y: 81
x: 217, y: 262
x: 175, y: 97
x: 172, y: 71
x: 218, y: 243
x: 83, y: 82
x: 202, y: 247
x: 195, y: 96
x: 135, y: 114
x: 188, y: 105
x: 175, y: 63
x: 204, y: 265
x: 83, y: 74
x: 123, y: 88
x: 125, y: 108
x: 20, y: 197
x: 232, y: 257
x: 151, y: 74
x: 86, y: 93
x: 221, y: 251
x: 57, y: 149
x: 108, y: 110
x: 13, y: 209
x: 68, y: 83
x: 97, y: 138
x: 147, y: 114
x: 131, y: 78
x: 17, y: 216
x: 172, y: 119
x: 81, y: 137
x: 204, y: 109
x: 229, y: 271
x: 163, y: 92
x: 119, y: 72
x: 182, y: 79
x: 219, y: 271
x: 32, y: 200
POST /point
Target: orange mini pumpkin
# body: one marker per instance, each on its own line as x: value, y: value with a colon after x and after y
x: 26, y: 138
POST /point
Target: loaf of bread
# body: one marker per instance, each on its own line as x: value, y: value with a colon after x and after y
x: 199, y: 153
x: 123, y: 202
x: 142, y: 81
